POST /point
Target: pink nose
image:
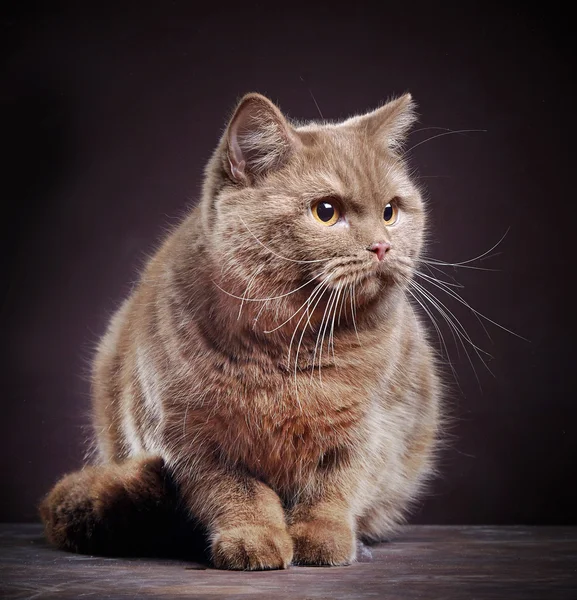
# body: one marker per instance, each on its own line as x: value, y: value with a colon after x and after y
x: 380, y: 249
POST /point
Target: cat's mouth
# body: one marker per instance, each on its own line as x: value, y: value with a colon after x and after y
x: 363, y: 276
x: 356, y: 270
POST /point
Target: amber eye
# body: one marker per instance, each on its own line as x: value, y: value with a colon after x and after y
x: 325, y: 212
x: 390, y: 214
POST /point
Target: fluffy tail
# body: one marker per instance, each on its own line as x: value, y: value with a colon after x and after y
x: 118, y: 509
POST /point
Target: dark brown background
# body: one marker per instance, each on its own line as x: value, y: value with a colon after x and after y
x: 109, y: 115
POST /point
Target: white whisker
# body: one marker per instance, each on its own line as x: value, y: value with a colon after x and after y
x: 456, y: 326
x: 457, y: 297
x: 470, y: 260
x: 439, y: 282
x: 305, y: 303
x: 307, y: 324
x: 455, y: 283
x: 279, y: 255
x: 331, y: 340
x: 319, y: 335
x: 438, y: 135
x: 446, y: 311
x: 354, y: 311
x: 317, y: 295
x: 453, y: 328
x: 244, y: 299
x: 248, y: 287
x: 439, y: 333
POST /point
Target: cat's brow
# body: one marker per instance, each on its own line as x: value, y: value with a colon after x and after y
x: 323, y: 192
x: 347, y: 200
x: 355, y: 203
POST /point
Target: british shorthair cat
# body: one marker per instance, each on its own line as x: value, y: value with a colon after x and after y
x: 269, y: 362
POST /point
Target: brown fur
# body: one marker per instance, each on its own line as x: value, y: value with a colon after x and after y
x: 284, y: 451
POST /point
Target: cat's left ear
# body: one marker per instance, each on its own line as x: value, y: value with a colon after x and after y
x: 392, y: 121
x: 258, y: 139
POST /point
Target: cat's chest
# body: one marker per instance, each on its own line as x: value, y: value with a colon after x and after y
x: 283, y: 433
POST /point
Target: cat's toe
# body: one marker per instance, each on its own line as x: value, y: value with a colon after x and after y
x: 323, y: 542
x: 252, y: 547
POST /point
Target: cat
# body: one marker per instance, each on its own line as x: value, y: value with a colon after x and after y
x: 269, y: 362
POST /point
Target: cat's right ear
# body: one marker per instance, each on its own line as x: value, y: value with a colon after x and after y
x: 258, y: 139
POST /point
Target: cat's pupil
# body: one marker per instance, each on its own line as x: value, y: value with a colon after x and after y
x: 325, y: 211
x: 388, y: 215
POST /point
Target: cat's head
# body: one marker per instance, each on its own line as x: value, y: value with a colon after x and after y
x: 330, y: 205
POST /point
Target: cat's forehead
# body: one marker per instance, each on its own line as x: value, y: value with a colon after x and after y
x: 343, y: 142
x: 344, y: 157
x: 340, y: 133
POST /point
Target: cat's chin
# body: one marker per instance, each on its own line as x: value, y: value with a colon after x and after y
x: 380, y: 284
x: 371, y: 288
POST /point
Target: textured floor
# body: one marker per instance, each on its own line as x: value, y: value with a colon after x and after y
x: 440, y: 563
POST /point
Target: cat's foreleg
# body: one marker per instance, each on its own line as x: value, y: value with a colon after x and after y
x: 322, y: 525
x: 244, y: 517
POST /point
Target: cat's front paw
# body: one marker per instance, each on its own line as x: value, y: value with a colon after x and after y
x: 252, y: 547
x: 323, y: 542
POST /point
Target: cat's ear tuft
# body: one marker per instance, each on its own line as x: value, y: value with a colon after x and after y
x: 258, y: 139
x: 392, y: 121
